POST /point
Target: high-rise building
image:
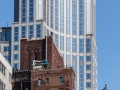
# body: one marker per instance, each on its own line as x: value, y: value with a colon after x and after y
x: 5, y: 42
x: 73, y: 27
x: 106, y: 87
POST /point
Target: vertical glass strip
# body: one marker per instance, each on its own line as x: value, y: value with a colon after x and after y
x: 62, y: 16
x: 24, y: 4
x: 81, y: 17
x: 67, y: 16
x: 31, y: 10
x: 51, y: 14
x: 74, y: 17
x: 56, y: 15
x: 40, y: 9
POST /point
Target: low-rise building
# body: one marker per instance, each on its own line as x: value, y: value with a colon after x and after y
x: 38, y: 73
x: 5, y: 73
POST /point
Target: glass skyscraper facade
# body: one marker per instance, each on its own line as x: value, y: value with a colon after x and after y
x: 73, y: 26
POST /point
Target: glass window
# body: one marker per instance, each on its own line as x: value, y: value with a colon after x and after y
x: 31, y: 10
x: 16, y: 56
x: 81, y: 58
x: 39, y: 82
x: 68, y: 60
x: 56, y: 40
x: 67, y: 16
x: 56, y: 15
x: 38, y: 31
x: 0, y: 36
x: 16, y: 34
x: 8, y: 36
x: 68, y: 44
x: 88, y: 75
x: 88, y: 45
x: 61, y: 80
x: 51, y: 13
x: 81, y: 45
x: 74, y: 17
x: 88, y: 58
x: 61, y: 89
x: 24, y: 4
x: 88, y: 84
x: 23, y: 33
x: 6, y: 48
x: 47, y: 80
x: 62, y: 16
x: 8, y: 57
x: 74, y: 45
x: 31, y: 33
x: 61, y: 42
x: 15, y: 65
x: 40, y: 11
x: 88, y: 67
x: 16, y: 47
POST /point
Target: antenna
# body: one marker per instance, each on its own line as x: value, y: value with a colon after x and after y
x: 46, y: 44
x: 7, y: 24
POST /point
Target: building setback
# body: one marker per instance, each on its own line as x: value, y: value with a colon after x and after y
x: 51, y: 77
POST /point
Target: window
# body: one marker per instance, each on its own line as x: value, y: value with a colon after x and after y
x: 47, y: 80
x: 88, y: 67
x: 2, y: 68
x: 61, y: 80
x: 31, y: 10
x: 56, y: 40
x: 62, y: 16
x: 67, y: 16
x: 8, y: 57
x: 51, y: 14
x: 16, y: 47
x: 39, y: 82
x: 88, y: 84
x: 16, y: 57
x: 74, y: 45
x: 2, y: 85
x: 88, y: 45
x: 31, y: 33
x: 88, y: 58
x: 68, y: 60
x: 68, y: 44
x: 74, y: 17
x: 81, y: 58
x: 81, y: 45
x: 6, y: 48
x: 61, y: 89
x: 61, y: 42
x: 38, y: 31
x: 8, y: 36
x: 0, y: 36
x: 40, y: 7
x: 15, y: 65
x: 56, y: 15
x: 23, y: 33
x: 24, y: 4
x: 88, y: 75
x: 81, y: 18
x: 16, y: 34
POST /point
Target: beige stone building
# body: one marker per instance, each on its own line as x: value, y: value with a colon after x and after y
x: 5, y: 74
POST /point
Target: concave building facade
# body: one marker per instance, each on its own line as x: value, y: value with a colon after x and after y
x: 73, y: 27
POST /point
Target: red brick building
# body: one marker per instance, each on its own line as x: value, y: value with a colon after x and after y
x: 54, y: 77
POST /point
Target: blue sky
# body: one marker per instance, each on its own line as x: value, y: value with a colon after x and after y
x: 108, y: 38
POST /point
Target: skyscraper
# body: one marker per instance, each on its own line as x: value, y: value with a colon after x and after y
x: 72, y: 24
